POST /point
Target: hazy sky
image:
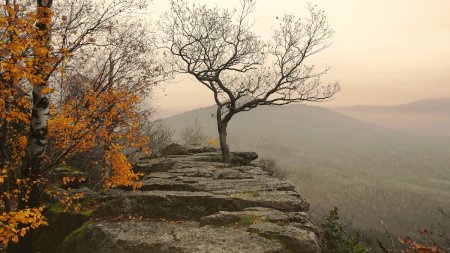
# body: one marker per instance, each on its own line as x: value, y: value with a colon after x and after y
x: 383, y: 52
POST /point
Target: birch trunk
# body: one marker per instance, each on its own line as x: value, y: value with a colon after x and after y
x: 40, y: 112
x: 37, y: 143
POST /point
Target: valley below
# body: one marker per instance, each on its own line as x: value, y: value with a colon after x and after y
x: 380, y: 178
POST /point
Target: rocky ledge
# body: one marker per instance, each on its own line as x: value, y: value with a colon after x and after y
x: 191, y: 202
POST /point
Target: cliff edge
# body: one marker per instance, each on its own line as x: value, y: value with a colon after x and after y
x: 191, y: 202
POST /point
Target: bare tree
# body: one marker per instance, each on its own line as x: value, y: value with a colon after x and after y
x: 160, y: 135
x: 219, y: 49
x: 117, y: 52
x: 112, y: 47
x: 193, y: 134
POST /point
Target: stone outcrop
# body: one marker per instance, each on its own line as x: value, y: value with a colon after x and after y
x: 191, y: 202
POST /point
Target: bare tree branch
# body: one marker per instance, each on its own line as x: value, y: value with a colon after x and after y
x: 220, y: 50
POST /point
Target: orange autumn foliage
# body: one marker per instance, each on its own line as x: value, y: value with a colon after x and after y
x: 18, y: 36
x: 412, y: 246
x: 109, y: 119
x: 15, y: 224
x: 121, y: 171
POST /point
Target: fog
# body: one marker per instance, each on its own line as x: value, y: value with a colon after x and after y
x: 380, y: 178
x: 383, y: 52
x: 379, y: 150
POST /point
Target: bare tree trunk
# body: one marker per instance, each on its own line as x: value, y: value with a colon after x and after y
x: 222, y: 129
x: 226, y: 156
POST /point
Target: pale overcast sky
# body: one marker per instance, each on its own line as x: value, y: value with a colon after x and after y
x: 383, y: 52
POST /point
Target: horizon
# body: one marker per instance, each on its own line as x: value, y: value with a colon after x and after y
x: 399, y: 58
x: 169, y: 114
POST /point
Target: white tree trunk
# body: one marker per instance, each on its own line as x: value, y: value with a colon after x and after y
x: 39, y: 123
x: 37, y: 143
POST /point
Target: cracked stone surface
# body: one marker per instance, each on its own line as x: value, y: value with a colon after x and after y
x: 194, y: 203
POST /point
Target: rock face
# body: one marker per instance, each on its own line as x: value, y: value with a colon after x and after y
x: 194, y: 203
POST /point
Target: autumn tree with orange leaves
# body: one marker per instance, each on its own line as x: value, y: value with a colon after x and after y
x: 21, y: 51
x: 74, y: 74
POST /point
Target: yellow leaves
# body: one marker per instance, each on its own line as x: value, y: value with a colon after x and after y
x: 65, y: 52
x: 99, y: 120
x: 23, y: 231
x: 69, y: 201
x: 44, y: 13
x: 23, y: 142
x: 15, y: 239
x: 41, y: 51
x: 3, y: 175
x: 118, y: 170
x: 25, y: 59
x: 213, y: 142
x: 2, y: 21
x: 12, y: 29
x: 15, y: 41
x: 17, y: 48
x: 67, y: 180
x: 14, y: 225
x: 46, y: 90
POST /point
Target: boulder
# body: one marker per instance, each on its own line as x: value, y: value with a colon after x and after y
x: 295, y: 239
x: 174, y: 149
x: 243, y: 157
x: 200, y: 149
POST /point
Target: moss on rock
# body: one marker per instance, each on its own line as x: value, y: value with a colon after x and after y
x: 249, y: 219
x: 61, y: 224
x: 73, y: 238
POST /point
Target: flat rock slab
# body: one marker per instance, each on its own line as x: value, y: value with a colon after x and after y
x: 186, y: 237
x: 215, y: 207
x: 295, y: 239
x: 223, y: 218
x: 189, y: 205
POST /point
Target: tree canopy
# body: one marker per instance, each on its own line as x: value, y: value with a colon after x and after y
x: 218, y: 47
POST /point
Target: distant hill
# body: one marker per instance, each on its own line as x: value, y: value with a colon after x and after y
x: 371, y: 173
x: 426, y: 117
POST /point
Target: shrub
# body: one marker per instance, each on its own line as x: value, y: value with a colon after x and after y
x: 193, y: 134
x: 277, y: 171
x: 160, y: 135
x: 337, y: 239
